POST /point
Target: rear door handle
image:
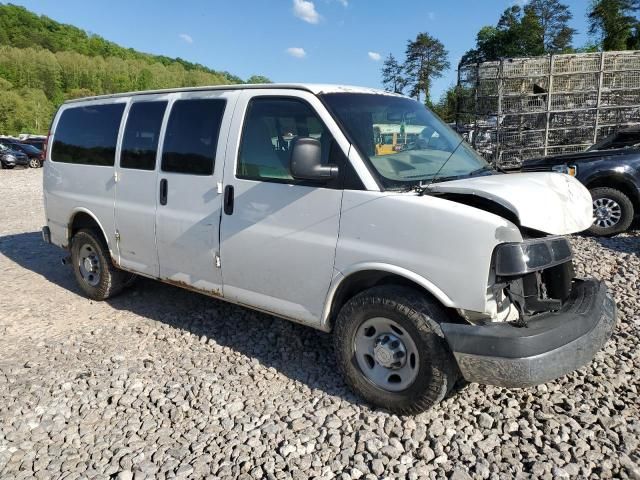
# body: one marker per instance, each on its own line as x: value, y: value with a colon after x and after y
x: 228, y: 199
x: 163, y: 191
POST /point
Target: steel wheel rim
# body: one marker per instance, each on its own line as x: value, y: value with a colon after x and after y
x: 607, y: 212
x: 386, y: 354
x: 89, y: 265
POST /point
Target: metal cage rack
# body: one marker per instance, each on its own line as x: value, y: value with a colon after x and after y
x: 520, y: 108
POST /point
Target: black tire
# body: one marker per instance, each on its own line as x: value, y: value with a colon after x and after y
x: 111, y: 280
x: 420, y: 317
x: 625, y: 208
x: 8, y: 167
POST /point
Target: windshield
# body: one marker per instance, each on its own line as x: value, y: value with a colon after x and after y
x: 405, y: 142
x: 624, y: 139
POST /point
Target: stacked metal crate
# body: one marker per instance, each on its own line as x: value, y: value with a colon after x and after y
x: 520, y: 108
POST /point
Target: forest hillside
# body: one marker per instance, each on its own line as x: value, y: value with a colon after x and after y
x: 44, y: 62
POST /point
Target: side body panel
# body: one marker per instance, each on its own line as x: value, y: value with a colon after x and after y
x: 135, y: 208
x: 71, y: 188
x: 442, y: 245
x: 278, y: 245
x: 187, y: 227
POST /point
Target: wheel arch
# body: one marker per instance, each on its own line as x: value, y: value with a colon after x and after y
x: 362, y: 277
x: 84, y: 218
x: 618, y: 182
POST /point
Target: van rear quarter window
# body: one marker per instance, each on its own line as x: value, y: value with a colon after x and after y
x: 87, y: 135
x: 192, y: 136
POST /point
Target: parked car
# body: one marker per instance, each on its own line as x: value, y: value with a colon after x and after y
x: 38, y: 142
x: 610, y: 169
x: 9, y: 157
x: 34, y: 155
x: 425, y: 263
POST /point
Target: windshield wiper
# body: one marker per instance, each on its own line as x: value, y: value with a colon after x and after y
x: 421, y: 188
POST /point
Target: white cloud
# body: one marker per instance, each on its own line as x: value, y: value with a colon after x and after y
x: 296, y: 52
x: 186, y: 37
x: 431, y: 15
x: 306, y: 10
x: 375, y: 56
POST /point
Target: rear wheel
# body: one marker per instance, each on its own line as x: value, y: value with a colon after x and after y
x: 391, y: 351
x: 34, y: 163
x: 98, y: 278
x: 612, y: 211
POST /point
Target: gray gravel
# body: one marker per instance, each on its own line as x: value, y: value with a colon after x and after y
x: 164, y: 383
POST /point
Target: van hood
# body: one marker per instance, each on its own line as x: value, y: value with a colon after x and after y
x: 553, y: 203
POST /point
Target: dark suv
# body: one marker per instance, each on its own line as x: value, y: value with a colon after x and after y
x: 610, y: 169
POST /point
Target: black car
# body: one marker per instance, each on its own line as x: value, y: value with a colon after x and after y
x: 610, y: 169
x: 34, y: 154
x: 9, y: 158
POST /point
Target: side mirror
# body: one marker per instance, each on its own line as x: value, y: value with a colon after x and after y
x: 306, y: 161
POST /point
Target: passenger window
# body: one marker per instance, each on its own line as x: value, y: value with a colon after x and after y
x: 271, y: 125
x: 192, y: 136
x: 88, y: 135
x: 141, y: 135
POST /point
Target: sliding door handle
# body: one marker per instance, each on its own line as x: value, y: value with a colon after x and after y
x: 228, y: 199
x: 163, y: 191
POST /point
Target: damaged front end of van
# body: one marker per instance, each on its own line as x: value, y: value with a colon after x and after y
x: 489, y: 246
x: 541, y: 321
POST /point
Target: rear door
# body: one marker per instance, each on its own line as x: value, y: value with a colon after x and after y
x: 189, y: 197
x: 136, y: 186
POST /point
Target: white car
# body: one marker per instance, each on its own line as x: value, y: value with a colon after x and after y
x: 426, y: 264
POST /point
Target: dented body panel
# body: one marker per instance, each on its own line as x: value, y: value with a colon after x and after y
x: 552, y: 203
x: 435, y: 248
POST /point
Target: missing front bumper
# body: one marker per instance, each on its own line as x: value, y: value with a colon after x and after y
x: 552, y: 344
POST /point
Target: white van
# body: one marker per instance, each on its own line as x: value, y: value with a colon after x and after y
x: 426, y: 264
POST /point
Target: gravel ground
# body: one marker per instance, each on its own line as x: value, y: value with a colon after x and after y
x: 165, y: 383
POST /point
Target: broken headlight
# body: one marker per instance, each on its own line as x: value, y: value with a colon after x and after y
x: 531, y: 255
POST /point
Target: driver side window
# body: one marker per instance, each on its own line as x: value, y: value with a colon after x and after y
x: 270, y: 127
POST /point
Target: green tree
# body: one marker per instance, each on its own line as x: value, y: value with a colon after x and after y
x: 542, y: 26
x: 614, y: 23
x: 10, y: 104
x: 393, y: 77
x: 37, y: 110
x: 258, y: 79
x: 554, y: 33
x: 426, y: 60
x: 445, y: 108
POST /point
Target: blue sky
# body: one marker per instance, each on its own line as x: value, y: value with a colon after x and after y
x: 326, y: 41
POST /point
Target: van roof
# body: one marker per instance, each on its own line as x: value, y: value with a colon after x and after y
x: 316, y: 88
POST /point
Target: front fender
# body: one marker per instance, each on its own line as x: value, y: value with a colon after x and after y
x: 340, y: 278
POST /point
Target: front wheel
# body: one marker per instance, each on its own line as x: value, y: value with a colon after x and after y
x: 612, y: 211
x: 391, y: 350
x: 98, y: 278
